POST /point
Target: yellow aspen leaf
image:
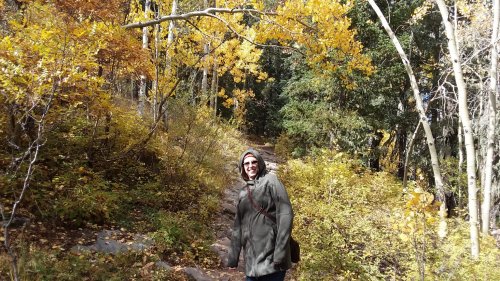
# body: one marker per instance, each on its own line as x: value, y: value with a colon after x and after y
x: 404, y: 237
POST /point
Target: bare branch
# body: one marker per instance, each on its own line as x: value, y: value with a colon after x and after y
x: 205, y: 13
x: 480, y: 51
x: 32, y: 153
x: 211, y: 12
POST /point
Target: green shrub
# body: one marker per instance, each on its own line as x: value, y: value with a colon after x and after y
x: 284, y: 147
x: 455, y: 182
x: 354, y: 224
x: 180, y: 238
x: 42, y: 264
x: 454, y: 261
x: 342, y: 219
x: 87, y: 199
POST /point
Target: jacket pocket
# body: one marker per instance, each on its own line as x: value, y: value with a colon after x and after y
x: 270, y: 243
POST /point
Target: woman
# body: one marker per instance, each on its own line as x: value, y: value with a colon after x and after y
x: 263, y: 222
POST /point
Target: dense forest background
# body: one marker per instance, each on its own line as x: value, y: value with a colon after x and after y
x: 131, y: 114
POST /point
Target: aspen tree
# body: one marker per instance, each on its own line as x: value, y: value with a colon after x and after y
x: 467, y: 129
x: 438, y: 180
x: 145, y: 44
x: 492, y: 110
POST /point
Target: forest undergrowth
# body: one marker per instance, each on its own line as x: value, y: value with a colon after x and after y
x: 357, y: 224
x: 100, y: 175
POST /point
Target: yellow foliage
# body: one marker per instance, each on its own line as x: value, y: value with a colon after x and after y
x: 322, y: 29
x: 421, y: 11
x: 342, y: 216
x: 136, y: 13
x: 319, y: 29
x: 472, y: 9
x: 454, y: 261
x: 67, y: 49
x: 350, y: 221
x: 45, y: 53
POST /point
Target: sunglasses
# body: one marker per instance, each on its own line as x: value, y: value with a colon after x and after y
x: 250, y: 163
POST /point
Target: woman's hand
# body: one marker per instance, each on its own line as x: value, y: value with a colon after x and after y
x: 277, y: 265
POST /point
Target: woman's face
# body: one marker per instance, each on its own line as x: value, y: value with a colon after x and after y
x: 251, y: 166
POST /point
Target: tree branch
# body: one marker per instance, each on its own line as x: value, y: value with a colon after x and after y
x: 32, y: 152
x: 204, y: 13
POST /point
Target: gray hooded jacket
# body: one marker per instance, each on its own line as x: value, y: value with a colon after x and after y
x: 265, y: 243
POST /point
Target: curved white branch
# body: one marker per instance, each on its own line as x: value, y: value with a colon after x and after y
x: 204, y: 13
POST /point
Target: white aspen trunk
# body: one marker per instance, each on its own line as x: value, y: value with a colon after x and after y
x: 481, y: 118
x: 204, y: 79
x: 409, y: 149
x: 460, y: 135
x: 192, y: 86
x: 170, y: 37
x: 490, y: 148
x: 155, y: 108
x: 145, y: 43
x: 460, y: 145
x: 157, y: 32
x: 215, y: 84
x: 467, y: 128
x: 168, y: 59
x: 215, y: 81
x: 438, y: 180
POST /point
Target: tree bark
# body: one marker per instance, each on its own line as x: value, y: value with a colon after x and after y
x: 402, y: 132
x: 438, y: 180
x: 156, y: 98
x: 168, y: 60
x: 467, y: 128
x: 170, y: 37
x: 145, y: 43
x: 206, y: 69
x: 460, y: 145
x: 204, y: 77
x: 215, y: 82
x: 409, y: 149
x: 490, y: 148
x: 215, y: 85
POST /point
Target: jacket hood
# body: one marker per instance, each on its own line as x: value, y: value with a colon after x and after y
x: 262, y: 164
